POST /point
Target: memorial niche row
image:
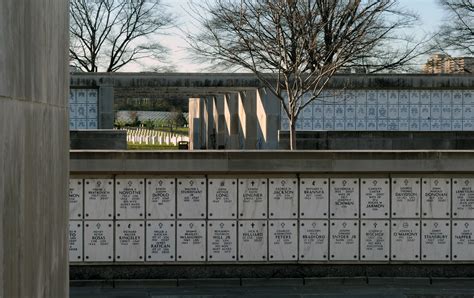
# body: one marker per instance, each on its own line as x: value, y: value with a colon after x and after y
x: 339, y: 240
x: 273, y: 198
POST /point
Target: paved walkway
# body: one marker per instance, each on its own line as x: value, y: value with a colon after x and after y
x: 352, y: 287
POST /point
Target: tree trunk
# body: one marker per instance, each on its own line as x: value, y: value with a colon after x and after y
x: 293, y: 134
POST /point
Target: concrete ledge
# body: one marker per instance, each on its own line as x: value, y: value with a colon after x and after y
x: 311, y: 273
x: 267, y: 162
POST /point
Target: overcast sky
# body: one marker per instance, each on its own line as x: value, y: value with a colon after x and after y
x: 430, y: 13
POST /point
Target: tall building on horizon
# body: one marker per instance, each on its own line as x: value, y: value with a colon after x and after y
x: 441, y: 63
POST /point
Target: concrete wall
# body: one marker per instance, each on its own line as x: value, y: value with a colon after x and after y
x: 33, y: 148
x: 343, y: 178
x: 109, y: 139
x: 379, y: 140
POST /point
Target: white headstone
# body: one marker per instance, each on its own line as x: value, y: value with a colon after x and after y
x: 314, y: 197
x: 375, y: 240
x: 129, y: 198
x: 253, y: 198
x: 462, y: 240
x: 313, y: 243
x: 98, y: 199
x: 222, y: 198
x: 344, y: 243
x: 129, y: 241
x: 375, y: 198
x: 160, y: 198
x: 76, y: 198
x: 75, y: 241
x: 191, y: 198
x: 98, y: 241
x: 160, y: 241
x: 191, y: 240
x: 283, y: 198
x: 435, y: 240
x: 406, y: 197
x: 222, y: 240
x: 344, y: 198
x: 283, y: 240
x: 252, y: 240
x: 463, y: 198
x: 405, y: 240
x: 436, y: 197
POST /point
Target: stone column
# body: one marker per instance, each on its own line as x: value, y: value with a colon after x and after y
x: 194, y: 124
x: 219, y: 121
x: 34, y: 148
x: 248, y: 119
x: 231, y: 107
x: 268, y: 114
x: 106, y: 107
x: 209, y: 127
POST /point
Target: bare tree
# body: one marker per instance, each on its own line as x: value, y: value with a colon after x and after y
x: 295, y: 46
x: 457, y: 32
x: 108, y: 34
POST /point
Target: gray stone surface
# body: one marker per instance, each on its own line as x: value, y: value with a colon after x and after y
x: 98, y: 139
x: 267, y: 162
x: 382, y: 140
x: 33, y: 148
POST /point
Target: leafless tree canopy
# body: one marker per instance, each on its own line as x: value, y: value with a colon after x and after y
x: 457, y: 33
x: 302, y: 43
x: 108, y: 34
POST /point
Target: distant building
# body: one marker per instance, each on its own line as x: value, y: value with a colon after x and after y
x: 440, y: 63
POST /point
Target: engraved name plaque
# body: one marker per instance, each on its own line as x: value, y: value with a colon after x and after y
x: 406, y: 197
x: 129, y: 241
x: 283, y: 240
x: 75, y: 241
x: 283, y: 198
x: 98, y: 241
x: 191, y: 240
x: 374, y: 240
x: 252, y: 240
x: 160, y: 241
x: 253, y: 198
x: 463, y: 240
x: 314, y: 243
x: 344, y: 198
x: 98, y: 198
x: 463, y: 198
x: 222, y: 198
x: 160, y: 198
x: 191, y: 198
x: 436, y: 197
x: 435, y: 241
x: 344, y: 240
x: 405, y: 240
x: 314, y: 197
x: 221, y: 240
x: 129, y: 198
x: 76, y: 198
x: 375, y: 198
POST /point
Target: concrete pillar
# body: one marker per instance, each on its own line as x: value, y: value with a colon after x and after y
x: 219, y: 121
x: 209, y: 127
x: 248, y: 120
x: 268, y: 114
x: 231, y: 111
x: 194, y: 124
x: 106, y: 107
x: 34, y: 148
